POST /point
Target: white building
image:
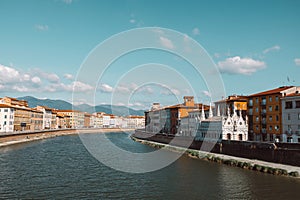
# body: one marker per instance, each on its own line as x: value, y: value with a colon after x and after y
x: 47, y: 116
x: 291, y: 117
x: 229, y: 127
x: 6, y: 118
x: 106, y: 121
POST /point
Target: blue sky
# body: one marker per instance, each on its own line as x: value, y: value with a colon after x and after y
x: 254, y: 44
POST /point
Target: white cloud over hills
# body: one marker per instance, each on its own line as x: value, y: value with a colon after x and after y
x: 36, y: 80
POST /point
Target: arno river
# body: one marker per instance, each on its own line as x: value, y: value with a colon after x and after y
x: 61, y: 168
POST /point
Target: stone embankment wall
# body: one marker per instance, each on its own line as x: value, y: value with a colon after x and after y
x: 282, y: 153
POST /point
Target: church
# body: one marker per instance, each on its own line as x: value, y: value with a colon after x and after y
x: 206, y: 126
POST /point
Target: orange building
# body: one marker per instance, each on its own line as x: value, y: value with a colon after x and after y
x: 265, y: 114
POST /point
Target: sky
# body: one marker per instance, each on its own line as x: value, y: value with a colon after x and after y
x: 46, y: 48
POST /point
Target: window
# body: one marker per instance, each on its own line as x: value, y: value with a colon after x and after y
x: 250, y: 102
x: 256, y: 110
x: 257, y: 118
x: 288, y: 105
x: 276, y: 98
x: 297, y: 104
x: 270, y: 99
x: 10, y: 123
x: 256, y: 100
x: 276, y: 108
x: 5, y: 116
x: 277, y: 118
x: 276, y: 128
x: 289, y: 127
x: 263, y: 99
x: 289, y: 117
x: 270, y: 128
x: 5, y: 110
x: 250, y: 111
x: 257, y: 128
x: 270, y: 108
x: 4, y: 123
x: 270, y: 118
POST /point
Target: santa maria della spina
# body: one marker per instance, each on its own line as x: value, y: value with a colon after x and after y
x: 272, y: 115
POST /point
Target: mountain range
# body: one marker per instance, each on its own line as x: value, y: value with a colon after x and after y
x: 64, y: 105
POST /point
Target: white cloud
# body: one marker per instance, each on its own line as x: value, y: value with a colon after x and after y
x: 297, y: 61
x: 238, y: 65
x: 123, y: 89
x: 146, y: 90
x: 206, y: 93
x: 166, y: 42
x: 36, y: 80
x: 14, y: 80
x: 274, y: 48
x: 21, y: 88
x: 51, y: 77
x: 68, y: 76
x: 9, y: 74
x: 75, y: 86
x: 40, y: 27
x: 78, y: 86
x: 105, y: 88
x: 196, y: 31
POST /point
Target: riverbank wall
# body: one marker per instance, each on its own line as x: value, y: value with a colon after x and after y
x: 21, y: 137
x: 282, y: 153
x: 250, y: 164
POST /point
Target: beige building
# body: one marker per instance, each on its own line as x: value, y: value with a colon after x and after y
x: 76, y: 118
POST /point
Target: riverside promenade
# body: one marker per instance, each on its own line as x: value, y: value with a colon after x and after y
x: 21, y: 137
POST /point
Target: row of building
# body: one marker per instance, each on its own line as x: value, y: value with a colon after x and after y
x: 16, y: 115
x: 272, y: 115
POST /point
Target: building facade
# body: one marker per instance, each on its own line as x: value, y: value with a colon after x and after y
x: 167, y: 119
x: 6, y: 118
x: 291, y: 118
x: 216, y: 128
x: 265, y: 114
x: 74, y: 118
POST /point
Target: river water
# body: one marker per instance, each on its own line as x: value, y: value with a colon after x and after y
x: 61, y: 168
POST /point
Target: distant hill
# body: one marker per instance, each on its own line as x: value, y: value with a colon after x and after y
x: 58, y: 104
x: 63, y: 105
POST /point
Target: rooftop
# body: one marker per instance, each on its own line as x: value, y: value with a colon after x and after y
x: 273, y: 91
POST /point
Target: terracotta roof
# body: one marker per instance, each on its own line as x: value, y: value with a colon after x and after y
x: 5, y: 106
x: 68, y: 111
x: 273, y: 91
x: 293, y: 95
